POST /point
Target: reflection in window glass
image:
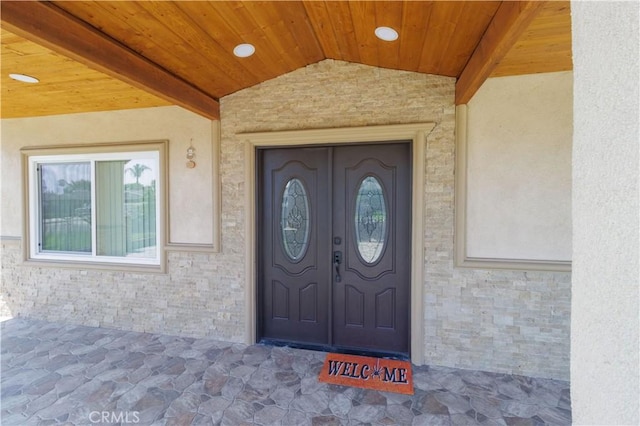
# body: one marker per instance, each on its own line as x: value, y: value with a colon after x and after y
x: 140, y: 208
x: 125, y: 209
x: 109, y: 197
x: 65, y: 203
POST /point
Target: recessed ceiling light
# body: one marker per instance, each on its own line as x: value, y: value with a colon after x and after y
x: 386, y: 33
x: 24, y: 78
x: 244, y: 50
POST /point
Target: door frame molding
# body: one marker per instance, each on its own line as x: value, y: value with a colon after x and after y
x: 416, y: 134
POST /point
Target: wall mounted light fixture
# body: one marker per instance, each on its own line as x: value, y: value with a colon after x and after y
x: 191, y: 153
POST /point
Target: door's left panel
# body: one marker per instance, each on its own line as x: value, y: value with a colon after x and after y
x: 293, y: 224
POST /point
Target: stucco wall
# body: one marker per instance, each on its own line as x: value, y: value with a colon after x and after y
x: 605, y: 376
x: 519, y: 133
x: 490, y: 320
x: 190, y: 194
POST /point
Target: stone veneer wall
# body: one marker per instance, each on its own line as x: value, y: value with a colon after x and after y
x: 197, y: 297
x: 501, y: 321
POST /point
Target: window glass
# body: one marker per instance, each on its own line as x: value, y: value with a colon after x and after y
x: 102, y: 207
x: 65, y: 207
x: 125, y: 208
x: 294, y: 221
x: 370, y: 219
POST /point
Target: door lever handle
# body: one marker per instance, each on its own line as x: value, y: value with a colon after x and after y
x: 337, y: 260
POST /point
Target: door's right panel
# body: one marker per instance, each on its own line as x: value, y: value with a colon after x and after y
x: 372, y: 219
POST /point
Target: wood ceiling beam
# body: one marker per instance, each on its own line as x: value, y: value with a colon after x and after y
x: 511, y: 19
x: 61, y: 32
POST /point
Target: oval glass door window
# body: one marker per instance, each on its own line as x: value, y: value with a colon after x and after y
x: 294, y: 221
x: 370, y: 219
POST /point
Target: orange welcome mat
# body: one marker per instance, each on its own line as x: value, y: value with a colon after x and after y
x: 387, y: 375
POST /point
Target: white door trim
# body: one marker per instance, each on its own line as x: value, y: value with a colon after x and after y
x: 416, y: 134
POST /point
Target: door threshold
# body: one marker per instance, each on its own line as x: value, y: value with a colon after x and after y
x: 336, y: 349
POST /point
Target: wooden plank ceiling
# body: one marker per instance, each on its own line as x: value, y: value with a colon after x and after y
x: 103, y: 55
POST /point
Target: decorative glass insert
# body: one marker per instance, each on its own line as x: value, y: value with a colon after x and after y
x: 370, y: 219
x: 294, y: 221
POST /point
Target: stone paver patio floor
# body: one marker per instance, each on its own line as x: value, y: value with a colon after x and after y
x: 77, y: 375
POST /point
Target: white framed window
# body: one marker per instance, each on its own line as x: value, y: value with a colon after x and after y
x: 96, y: 206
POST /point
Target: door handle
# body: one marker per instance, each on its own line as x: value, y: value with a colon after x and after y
x: 337, y: 260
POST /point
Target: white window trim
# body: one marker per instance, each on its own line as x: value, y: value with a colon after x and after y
x: 156, y: 150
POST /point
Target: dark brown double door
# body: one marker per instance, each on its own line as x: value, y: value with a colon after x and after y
x: 334, y: 262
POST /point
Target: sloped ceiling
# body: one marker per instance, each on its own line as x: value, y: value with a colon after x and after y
x: 130, y: 54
